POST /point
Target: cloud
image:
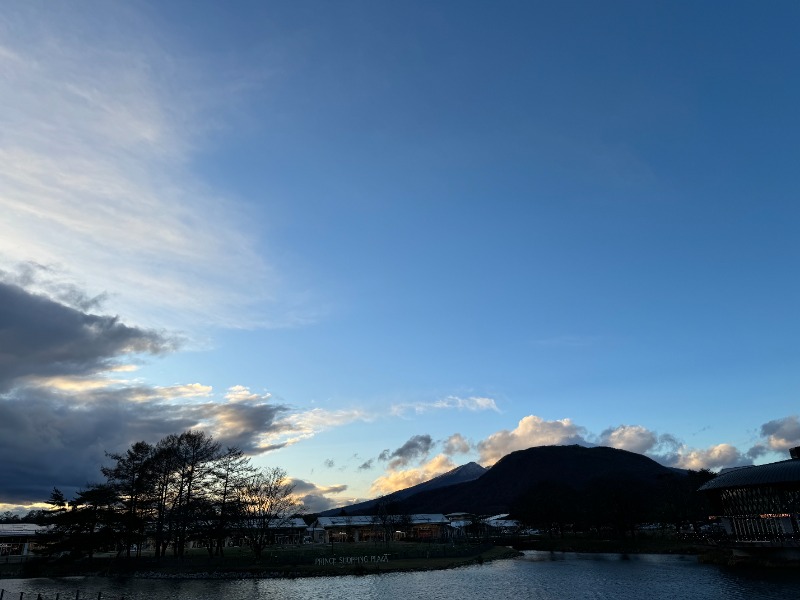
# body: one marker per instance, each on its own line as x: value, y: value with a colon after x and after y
x: 58, y: 441
x: 367, y: 465
x: 668, y: 450
x: 715, y: 457
x: 306, y: 424
x: 456, y: 444
x: 60, y: 438
x: 64, y: 400
x: 41, y: 338
x: 530, y: 431
x: 101, y: 121
x: 329, y: 463
x: 240, y: 393
x: 634, y: 438
x: 473, y: 404
x: 417, y: 447
x: 757, y: 451
x: 316, y: 498
x: 782, y: 434
x: 253, y: 426
x: 400, y: 479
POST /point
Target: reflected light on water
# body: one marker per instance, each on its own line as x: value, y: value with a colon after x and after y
x: 539, y: 575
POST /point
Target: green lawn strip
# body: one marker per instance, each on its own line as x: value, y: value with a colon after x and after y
x: 340, y: 559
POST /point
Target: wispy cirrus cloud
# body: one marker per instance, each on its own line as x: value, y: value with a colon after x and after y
x: 472, y: 403
x: 304, y: 424
x: 100, y: 123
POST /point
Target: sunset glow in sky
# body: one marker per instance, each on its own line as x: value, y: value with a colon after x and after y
x: 368, y: 242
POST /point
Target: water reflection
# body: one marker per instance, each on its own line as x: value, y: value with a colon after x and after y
x: 540, y: 575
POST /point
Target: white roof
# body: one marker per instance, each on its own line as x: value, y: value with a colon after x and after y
x: 19, y: 529
x: 360, y: 521
x: 496, y: 517
x: 367, y: 520
x: 502, y: 523
x: 460, y: 523
x: 435, y: 518
x: 289, y: 523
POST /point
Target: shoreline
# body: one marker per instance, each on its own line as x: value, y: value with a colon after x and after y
x: 250, y: 568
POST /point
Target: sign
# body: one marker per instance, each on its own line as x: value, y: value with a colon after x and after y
x: 351, y: 560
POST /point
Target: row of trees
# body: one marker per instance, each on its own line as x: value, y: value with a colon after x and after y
x: 184, y: 488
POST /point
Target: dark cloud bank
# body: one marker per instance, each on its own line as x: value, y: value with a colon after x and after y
x: 57, y: 435
x: 42, y: 338
x: 50, y: 437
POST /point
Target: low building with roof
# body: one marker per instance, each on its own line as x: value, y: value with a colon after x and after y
x: 17, y: 539
x: 501, y: 525
x: 291, y: 530
x: 758, y: 506
x: 364, y: 528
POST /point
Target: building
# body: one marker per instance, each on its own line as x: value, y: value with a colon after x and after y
x: 17, y: 539
x: 758, y: 506
x: 292, y: 530
x: 366, y: 528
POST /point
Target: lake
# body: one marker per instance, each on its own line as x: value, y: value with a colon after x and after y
x: 539, y: 575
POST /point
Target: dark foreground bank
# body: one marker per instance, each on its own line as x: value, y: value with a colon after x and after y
x: 303, y: 561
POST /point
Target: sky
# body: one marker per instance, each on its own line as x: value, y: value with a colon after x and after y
x: 370, y: 241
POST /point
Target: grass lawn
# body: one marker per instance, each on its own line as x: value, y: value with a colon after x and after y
x: 281, y: 561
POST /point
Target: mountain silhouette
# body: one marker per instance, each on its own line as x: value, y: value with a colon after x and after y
x: 501, y: 487
x: 462, y: 474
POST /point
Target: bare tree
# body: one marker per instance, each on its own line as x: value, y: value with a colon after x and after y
x: 268, y: 501
x: 163, y: 467
x: 232, y: 474
x: 385, y: 518
x: 196, y: 453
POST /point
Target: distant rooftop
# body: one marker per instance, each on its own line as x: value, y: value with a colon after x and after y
x: 364, y: 520
x: 786, y: 471
x: 19, y: 529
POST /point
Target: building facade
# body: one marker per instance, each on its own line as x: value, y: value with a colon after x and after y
x: 758, y: 506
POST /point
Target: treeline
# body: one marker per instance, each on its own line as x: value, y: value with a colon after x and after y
x: 182, y: 489
x: 618, y: 504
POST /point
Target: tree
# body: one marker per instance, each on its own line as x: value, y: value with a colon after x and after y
x: 231, y: 475
x: 86, y: 526
x: 96, y: 517
x: 9, y: 517
x: 385, y: 517
x: 196, y: 453
x: 180, y: 489
x: 131, y: 478
x: 163, y: 465
x: 267, y: 501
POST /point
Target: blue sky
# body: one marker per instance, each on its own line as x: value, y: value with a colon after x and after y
x: 376, y: 240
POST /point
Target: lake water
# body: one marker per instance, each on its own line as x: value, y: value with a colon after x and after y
x: 537, y: 575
